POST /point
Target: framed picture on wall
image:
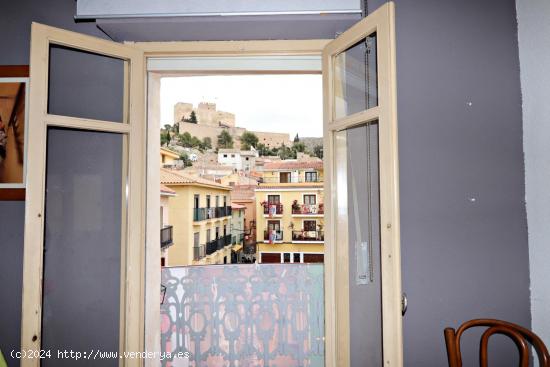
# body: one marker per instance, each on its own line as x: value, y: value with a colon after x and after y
x: 14, y: 95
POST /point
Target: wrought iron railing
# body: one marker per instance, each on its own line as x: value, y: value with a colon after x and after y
x: 271, y: 235
x: 218, y: 244
x: 166, y: 238
x: 290, y: 179
x: 308, y: 209
x: 243, y: 315
x: 272, y: 209
x: 316, y: 236
x: 211, y: 213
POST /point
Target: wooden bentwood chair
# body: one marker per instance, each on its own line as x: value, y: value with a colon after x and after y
x: 521, y: 337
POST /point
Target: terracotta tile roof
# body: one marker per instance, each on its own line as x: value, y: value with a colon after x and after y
x: 243, y: 193
x: 292, y: 164
x: 172, y: 177
x: 168, y: 152
x: 166, y: 190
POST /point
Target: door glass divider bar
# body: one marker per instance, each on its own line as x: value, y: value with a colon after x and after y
x: 87, y: 124
x: 358, y: 118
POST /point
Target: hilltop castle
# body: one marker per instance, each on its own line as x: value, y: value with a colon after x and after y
x: 211, y: 122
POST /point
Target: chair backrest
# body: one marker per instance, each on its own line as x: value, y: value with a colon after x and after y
x: 522, y: 337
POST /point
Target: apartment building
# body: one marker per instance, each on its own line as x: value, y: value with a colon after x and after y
x: 166, y: 229
x: 293, y: 171
x: 200, y: 214
x: 240, y: 160
x: 290, y: 213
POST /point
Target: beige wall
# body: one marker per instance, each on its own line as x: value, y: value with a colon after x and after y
x: 287, y: 196
x: 181, y: 217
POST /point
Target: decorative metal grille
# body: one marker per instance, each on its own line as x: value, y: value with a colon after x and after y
x: 243, y: 315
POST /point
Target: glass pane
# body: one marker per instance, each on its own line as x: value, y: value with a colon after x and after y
x: 243, y: 315
x: 355, y: 78
x: 94, y: 89
x: 82, y: 245
x: 359, y: 189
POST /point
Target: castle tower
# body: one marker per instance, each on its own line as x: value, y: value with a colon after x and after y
x: 182, y: 110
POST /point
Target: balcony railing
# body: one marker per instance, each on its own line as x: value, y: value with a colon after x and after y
x: 199, y: 252
x: 272, y: 236
x: 309, y: 236
x: 218, y: 244
x: 210, y: 213
x: 306, y: 209
x: 211, y: 314
x: 273, y: 209
x: 290, y: 180
x: 166, y: 238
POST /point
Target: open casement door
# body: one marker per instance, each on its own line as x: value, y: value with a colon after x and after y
x: 84, y: 217
x: 363, y: 299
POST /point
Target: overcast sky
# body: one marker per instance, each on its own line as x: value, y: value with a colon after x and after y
x: 275, y: 103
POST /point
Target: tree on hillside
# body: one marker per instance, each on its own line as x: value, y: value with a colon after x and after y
x: 262, y: 149
x: 185, y: 139
x: 318, y: 151
x: 185, y: 158
x: 286, y: 152
x: 248, y: 140
x: 164, y: 137
x: 206, y: 143
x: 225, y: 141
x: 296, y: 138
x: 176, y: 128
x: 299, y: 147
x: 192, y: 118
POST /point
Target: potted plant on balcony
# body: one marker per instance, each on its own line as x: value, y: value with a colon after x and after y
x: 321, y: 208
x: 295, y: 206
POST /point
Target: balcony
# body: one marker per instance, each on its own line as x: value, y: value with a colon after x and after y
x: 273, y: 209
x: 277, y: 180
x: 199, y: 252
x: 308, y: 209
x: 273, y: 236
x: 218, y: 244
x: 166, y: 238
x: 308, y: 236
x: 200, y: 214
x: 230, y: 293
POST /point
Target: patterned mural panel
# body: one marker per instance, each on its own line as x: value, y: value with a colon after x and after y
x: 243, y: 315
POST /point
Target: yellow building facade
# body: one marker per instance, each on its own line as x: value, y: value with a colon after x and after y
x: 200, y: 213
x: 167, y: 157
x: 290, y: 213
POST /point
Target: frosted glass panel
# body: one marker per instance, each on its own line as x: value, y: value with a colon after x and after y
x: 82, y: 246
x: 86, y: 85
x: 244, y: 315
x: 355, y: 78
x: 359, y: 200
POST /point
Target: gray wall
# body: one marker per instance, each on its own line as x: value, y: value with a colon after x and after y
x: 534, y: 52
x: 464, y: 231
x: 464, y: 234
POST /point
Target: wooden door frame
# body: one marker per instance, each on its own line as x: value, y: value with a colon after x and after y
x: 381, y: 21
x: 336, y: 333
x: 133, y: 210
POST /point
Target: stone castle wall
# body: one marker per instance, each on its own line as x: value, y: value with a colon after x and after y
x: 201, y: 131
x: 206, y: 113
